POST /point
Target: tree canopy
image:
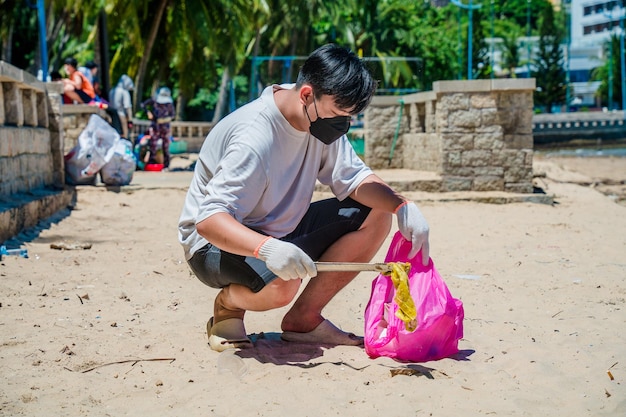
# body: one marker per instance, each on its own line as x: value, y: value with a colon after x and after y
x: 549, y: 71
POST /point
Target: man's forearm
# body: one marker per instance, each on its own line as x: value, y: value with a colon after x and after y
x: 223, y: 231
x: 375, y: 193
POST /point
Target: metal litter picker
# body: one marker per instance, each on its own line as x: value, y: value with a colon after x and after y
x: 353, y: 266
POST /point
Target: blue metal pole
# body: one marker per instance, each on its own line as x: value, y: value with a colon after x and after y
x: 43, y: 46
x: 492, y: 40
x: 232, y: 106
x: 610, y: 74
x: 469, y: 7
x: 621, y: 47
x: 253, y: 78
x: 469, y: 43
x: 528, y: 36
x: 567, y: 59
x: 460, y: 50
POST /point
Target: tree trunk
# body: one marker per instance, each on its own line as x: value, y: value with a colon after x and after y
x: 223, y: 97
x: 181, y: 103
x: 55, y: 25
x: 7, y: 45
x: 145, y: 58
x: 292, y: 52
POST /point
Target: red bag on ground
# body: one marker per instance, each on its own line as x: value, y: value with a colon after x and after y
x: 439, y: 315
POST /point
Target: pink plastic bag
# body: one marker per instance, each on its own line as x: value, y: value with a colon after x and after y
x: 440, y: 316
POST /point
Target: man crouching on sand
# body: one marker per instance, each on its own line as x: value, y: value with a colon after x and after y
x: 248, y: 217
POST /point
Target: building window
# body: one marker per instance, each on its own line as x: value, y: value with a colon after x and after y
x: 600, y: 8
x: 579, y: 76
x: 600, y: 27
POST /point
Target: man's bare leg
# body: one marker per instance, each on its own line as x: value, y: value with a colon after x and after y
x: 72, y: 95
x: 234, y: 300
x: 359, y: 246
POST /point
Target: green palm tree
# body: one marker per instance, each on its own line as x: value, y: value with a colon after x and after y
x: 128, y: 22
x: 612, y: 67
x: 427, y: 36
x: 510, y: 51
x: 549, y: 72
x: 158, y: 39
x: 241, y: 23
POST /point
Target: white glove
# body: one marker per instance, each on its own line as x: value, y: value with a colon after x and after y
x: 414, y: 228
x: 286, y: 260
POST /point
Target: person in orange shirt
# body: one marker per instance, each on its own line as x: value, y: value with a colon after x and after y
x: 76, y: 88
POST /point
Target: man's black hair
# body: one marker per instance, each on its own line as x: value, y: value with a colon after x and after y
x: 71, y: 61
x: 336, y: 71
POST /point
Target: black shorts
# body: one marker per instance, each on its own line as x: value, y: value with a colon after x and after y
x: 323, y: 224
x: 84, y: 96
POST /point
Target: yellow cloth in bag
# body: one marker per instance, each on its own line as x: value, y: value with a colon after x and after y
x: 406, y: 307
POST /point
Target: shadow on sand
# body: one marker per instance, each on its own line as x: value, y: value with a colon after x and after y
x: 270, y: 348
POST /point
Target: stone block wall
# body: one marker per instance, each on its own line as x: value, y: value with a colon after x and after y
x: 381, y: 132
x: 32, y: 176
x: 477, y: 135
x: 55, y: 127
x: 26, y: 148
x: 421, y: 152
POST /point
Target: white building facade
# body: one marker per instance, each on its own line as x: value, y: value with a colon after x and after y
x: 591, y: 24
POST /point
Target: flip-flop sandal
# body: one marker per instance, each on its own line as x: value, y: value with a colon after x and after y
x: 227, y: 334
x: 325, y: 333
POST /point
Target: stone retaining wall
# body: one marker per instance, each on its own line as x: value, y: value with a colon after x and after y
x: 32, y: 178
x: 27, y: 150
x: 477, y: 135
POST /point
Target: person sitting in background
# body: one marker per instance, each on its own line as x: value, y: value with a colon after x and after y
x: 76, y: 87
x: 120, y: 101
x: 90, y: 71
x: 161, y: 112
x: 151, y: 149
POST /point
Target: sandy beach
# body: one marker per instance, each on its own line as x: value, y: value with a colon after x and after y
x: 119, y: 329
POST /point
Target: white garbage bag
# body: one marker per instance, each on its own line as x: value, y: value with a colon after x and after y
x: 74, y: 167
x: 119, y: 170
x: 94, y: 149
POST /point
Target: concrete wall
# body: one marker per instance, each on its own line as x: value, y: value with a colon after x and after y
x: 477, y: 135
x: 31, y: 151
x: 26, y: 147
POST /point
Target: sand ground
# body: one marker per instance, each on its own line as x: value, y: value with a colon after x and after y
x: 119, y: 329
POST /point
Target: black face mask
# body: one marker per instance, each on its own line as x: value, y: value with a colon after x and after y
x: 329, y: 129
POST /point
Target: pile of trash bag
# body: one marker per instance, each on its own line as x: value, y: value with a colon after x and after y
x: 100, y: 149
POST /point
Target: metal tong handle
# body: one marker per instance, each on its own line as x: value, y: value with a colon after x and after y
x: 352, y: 266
